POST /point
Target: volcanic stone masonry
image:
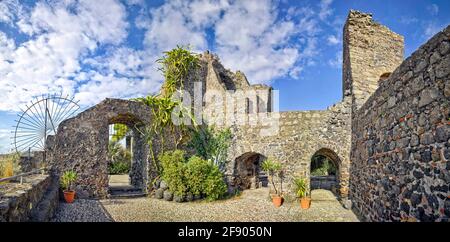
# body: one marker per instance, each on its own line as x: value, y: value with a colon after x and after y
x: 400, y: 141
x: 81, y: 144
x: 388, y: 137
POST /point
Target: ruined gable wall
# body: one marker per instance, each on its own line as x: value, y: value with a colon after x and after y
x: 220, y: 85
x: 400, y: 154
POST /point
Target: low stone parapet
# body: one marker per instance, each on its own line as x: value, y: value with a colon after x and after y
x: 22, y: 201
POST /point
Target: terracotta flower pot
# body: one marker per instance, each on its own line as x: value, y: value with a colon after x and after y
x: 69, y: 196
x: 277, y: 200
x: 305, y: 202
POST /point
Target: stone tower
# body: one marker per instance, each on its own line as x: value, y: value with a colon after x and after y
x: 371, y: 53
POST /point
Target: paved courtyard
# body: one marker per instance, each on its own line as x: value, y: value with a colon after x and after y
x: 251, y: 205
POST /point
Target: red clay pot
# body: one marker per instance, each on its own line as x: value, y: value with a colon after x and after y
x: 277, y: 201
x: 69, y: 196
x: 305, y: 202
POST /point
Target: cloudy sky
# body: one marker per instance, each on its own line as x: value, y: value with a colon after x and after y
x: 97, y: 49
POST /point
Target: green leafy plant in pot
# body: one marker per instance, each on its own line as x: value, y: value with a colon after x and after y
x: 274, y: 169
x: 67, y: 179
x: 301, y: 189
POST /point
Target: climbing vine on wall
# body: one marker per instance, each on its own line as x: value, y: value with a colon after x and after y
x: 120, y: 131
x: 175, y: 66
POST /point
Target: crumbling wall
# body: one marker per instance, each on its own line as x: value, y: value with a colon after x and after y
x: 370, y: 50
x: 400, y: 168
x: 292, y: 138
x: 81, y: 144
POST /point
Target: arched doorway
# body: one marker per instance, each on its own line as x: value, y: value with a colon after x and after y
x: 247, y: 173
x: 324, y: 170
x: 126, y: 160
x: 81, y: 145
x: 120, y: 158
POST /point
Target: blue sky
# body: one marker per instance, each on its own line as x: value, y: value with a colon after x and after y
x: 98, y: 49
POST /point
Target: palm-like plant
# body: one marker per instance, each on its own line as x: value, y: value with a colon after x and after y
x: 175, y: 66
x: 301, y: 187
x: 67, y: 180
x: 272, y: 168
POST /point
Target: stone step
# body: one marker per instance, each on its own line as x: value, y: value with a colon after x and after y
x: 134, y: 194
x: 124, y: 188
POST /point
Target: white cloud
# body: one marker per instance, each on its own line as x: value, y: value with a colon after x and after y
x: 61, y: 34
x: 171, y: 25
x: 325, y: 9
x: 125, y: 72
x: 249, y: 35
x: 9, y: 9
x: 337, y: 61
x: 333, y: 40
x: 65, y: 35
x: 433, y: 9
x: 250, y: 39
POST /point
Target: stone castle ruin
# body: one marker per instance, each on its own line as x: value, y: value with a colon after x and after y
x: 388, y: 137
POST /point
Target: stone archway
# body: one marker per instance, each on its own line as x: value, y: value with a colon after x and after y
x: 81, y: 144
x: 325, y: 170
x: 247, y: 173
x: 138, y: 148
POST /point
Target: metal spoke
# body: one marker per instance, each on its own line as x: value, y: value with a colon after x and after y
x: 41, y: 119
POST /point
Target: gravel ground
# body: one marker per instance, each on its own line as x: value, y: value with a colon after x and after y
x: 81, y: 210
x: 252, y: 205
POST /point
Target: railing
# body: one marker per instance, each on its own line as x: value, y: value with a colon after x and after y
x: 36, y: 171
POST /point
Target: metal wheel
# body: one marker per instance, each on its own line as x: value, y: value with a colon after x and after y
x: 41, y: 119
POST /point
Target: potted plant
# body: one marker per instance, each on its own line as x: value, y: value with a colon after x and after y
x: 301, y: 189
x: 274, y: 168
x: 67, y: 180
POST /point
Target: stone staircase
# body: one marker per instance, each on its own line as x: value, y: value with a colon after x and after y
x: 125, y: 191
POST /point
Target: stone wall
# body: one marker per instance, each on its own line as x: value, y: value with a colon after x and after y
x: 400, y: 168
x: 81, y: 144
x: 35, y: 199
x: 301, y: 135
x: 31, y: 161
x: 370, y: 50
x: 292, y: 138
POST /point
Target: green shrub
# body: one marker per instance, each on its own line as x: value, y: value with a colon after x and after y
x: 173, y: 169
x: 197, y: 171
x: 120, y: 159
x: 211, y: 144
x: 215, y: 186
x: 118, y: 168
x: 197, y: 176
x: 322, y: 166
